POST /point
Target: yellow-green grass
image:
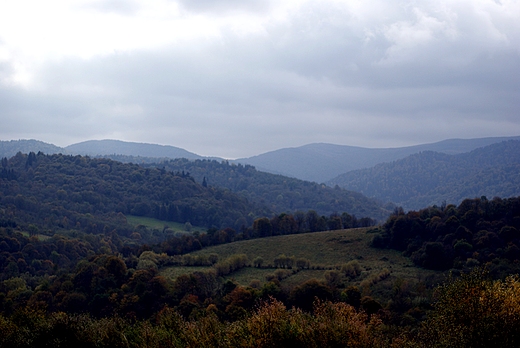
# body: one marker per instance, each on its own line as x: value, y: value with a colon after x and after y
x: 158, y: 224
x: 326, y: 251
x: 244, y: 276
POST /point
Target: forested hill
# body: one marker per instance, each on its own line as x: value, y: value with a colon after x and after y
x: 277, y: 192
x: 67, y: 191
x: 429, y: 178
x: 12, y: 147
x: 109, y: 147
x: 322, y: 162
x: 477, y: 232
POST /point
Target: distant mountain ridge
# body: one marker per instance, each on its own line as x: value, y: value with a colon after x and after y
x: 278, y: 193
x: 318, y: 162
x: 118, y: 147
x: 10, y: 148
x: 99, y: 148
x: 321, y: 162
x: 429, y: 178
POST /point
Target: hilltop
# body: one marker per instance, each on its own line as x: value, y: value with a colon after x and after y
x: 318, y: 162
x: 276, y: 193
x: 322, y: 162
x: 279, y: 193
x: 98, y: 148
x: 46, y: 190
x: 429, y: 178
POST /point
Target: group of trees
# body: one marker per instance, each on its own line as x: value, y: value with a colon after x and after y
x: 279, y: 193
x: 310, y: 221
x: 58, y: 188
x: 477, y: 232
x: 100, y: 265
x: 470, y: 311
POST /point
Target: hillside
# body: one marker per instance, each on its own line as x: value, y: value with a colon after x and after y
x: 477, y: 232
x: 429, y: 178
x: 12, y: 147
x: 313, y: 162
x: 323, y: 251
x: 278, y: 193
x: 322, y: 162
x: 110, y: 147
x: 46, y: 190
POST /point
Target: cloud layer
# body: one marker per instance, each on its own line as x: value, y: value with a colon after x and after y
x: 234, y: 79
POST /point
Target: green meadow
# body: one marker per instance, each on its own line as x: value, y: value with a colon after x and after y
x: 155, y: 224
x: 378, y: 269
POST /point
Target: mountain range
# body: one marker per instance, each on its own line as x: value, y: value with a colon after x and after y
x: 411, y: 177
x: 429, y: 178
x: 319, y: 162
x: 322, y: 162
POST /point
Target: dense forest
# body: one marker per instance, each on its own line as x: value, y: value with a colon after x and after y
x: 74, y: 272
x: 69, y: 189
x: 477, y: 232
x: 429, y: 178
x: 279, y: 193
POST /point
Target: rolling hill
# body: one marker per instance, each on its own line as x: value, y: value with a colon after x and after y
x: 12, y: 147
x: 48, y: 190
x: 279, y: 193
x: 429, y: 178
x: 322, y: 162
x: 319, y: 162
x: 110, y: 147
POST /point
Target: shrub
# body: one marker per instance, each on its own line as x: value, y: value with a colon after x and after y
x: 351, y: 269
x: 474, y: 311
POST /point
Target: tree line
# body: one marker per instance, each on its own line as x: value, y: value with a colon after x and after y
x: 476, y: 232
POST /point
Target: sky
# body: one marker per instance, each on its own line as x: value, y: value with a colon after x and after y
x: 232, y: 78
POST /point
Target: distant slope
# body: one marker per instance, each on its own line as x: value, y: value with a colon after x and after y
x: 117, y: 147
x: 10, y: 148
x: 322, y: 162
x: 46, y: 188
x: 429, y: 178
x: 278, y: 193
x: 324, y: 249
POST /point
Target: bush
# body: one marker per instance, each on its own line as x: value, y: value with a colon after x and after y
x: 351, y: 269
x: 474, y: 311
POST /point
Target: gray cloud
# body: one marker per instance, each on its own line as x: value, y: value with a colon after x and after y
x: 328, y: 74
x: 222, y: 6
x: 121, y: 7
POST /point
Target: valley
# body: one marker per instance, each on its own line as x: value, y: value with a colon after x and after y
x: 196, y: 247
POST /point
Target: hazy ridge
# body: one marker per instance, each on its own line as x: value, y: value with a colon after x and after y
x: 429, y: 178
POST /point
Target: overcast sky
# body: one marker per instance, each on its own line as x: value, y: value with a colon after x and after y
x: 236, y: 78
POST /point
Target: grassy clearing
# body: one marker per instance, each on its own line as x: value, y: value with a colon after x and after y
x: 302, y: 276
x: 326, y: 249
x: 159, y: 224
x: 244, y: 276
x: 379, y: 268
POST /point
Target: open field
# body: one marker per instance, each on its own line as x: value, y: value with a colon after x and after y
x: 326, y: 251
